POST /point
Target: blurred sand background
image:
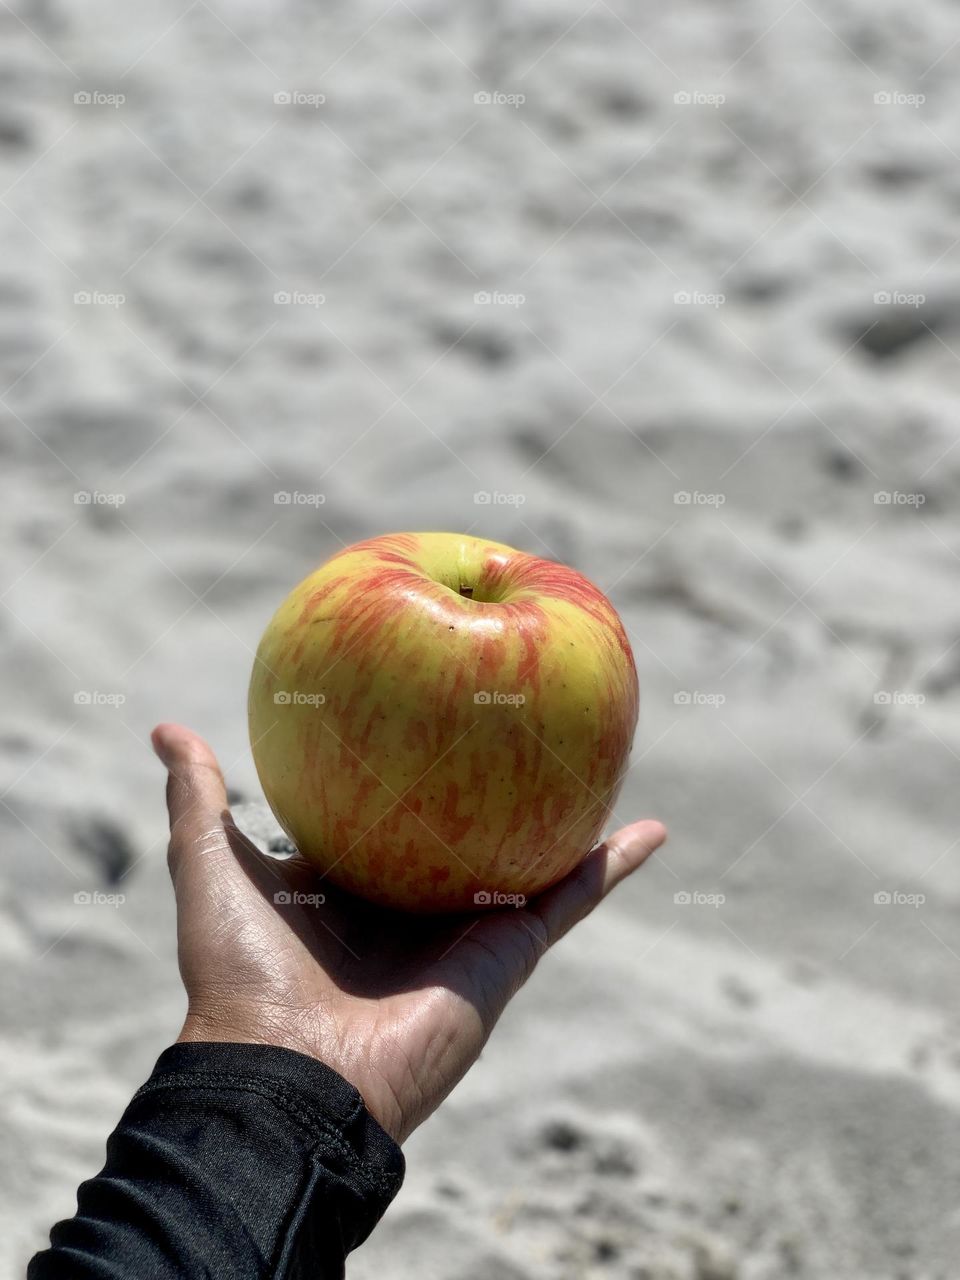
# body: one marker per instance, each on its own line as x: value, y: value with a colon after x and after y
x: 746, y: 1066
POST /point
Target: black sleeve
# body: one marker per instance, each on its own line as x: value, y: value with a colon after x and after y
x: 234, y: 1161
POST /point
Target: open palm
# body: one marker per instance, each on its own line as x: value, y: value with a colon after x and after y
x: 399, y: 1005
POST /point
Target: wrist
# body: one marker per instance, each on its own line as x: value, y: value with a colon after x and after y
x: 231, y: 1028
x: 207, y: 1028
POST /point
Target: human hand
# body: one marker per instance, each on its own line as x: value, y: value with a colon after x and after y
x: 399, y: 1005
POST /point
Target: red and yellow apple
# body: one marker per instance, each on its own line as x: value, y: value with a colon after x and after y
x: 442, y: 723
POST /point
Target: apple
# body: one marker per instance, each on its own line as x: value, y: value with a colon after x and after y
x: 442, y: 723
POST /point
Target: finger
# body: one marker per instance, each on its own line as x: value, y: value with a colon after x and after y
x: 561, y: 907
x: 196, y: 793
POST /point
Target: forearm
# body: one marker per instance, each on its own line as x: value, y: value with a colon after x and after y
x: 233, y: 1160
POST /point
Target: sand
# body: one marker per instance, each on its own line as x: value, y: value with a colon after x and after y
x: 761, y: 1087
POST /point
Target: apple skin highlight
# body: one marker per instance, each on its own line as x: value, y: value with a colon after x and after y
x: 435, y: 718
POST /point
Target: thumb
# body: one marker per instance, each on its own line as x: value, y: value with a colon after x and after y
x: 561, y: 907
x: 196, y: 793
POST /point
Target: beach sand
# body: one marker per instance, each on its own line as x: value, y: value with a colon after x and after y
x: 716, y: 370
